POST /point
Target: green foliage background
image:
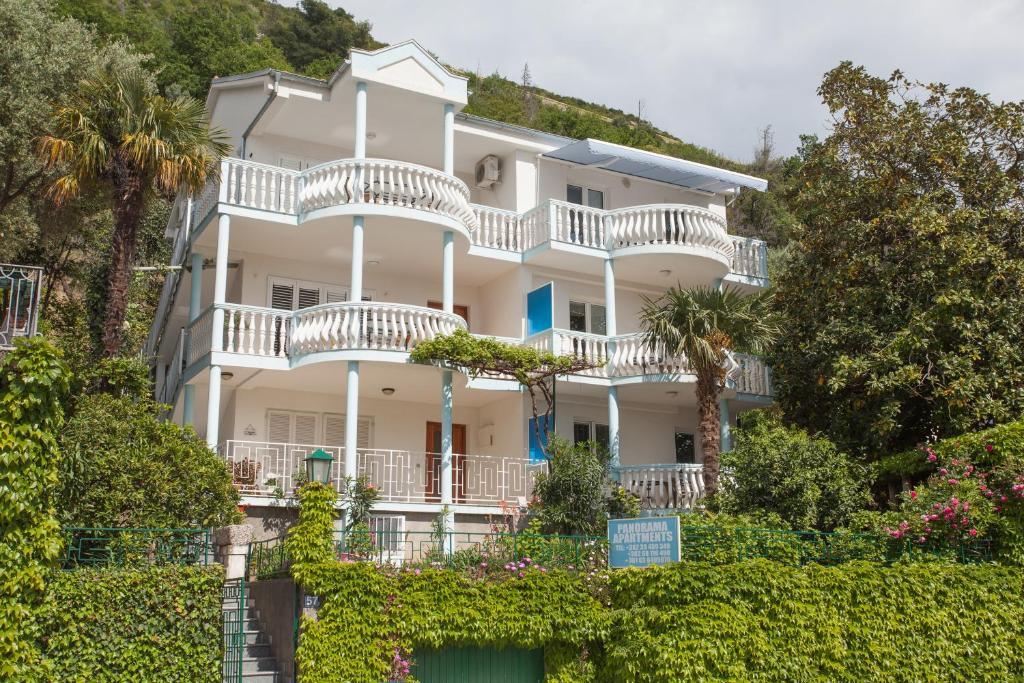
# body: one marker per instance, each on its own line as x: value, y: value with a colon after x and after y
x: 152, y: 624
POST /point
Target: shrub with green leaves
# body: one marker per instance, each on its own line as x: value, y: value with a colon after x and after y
x: 33, y: 383
x: 124, y: 467
x: 152, y: 624
x: 803, y: 479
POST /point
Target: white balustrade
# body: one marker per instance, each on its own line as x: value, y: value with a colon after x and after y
x: 626, y: 355
x: 669, y: 224
x: 753, y: 375
x: 577, y: 224
x: 200, y: 336
x: 205, y: 201
x: 750, y: 257
x: 664, y: 486
x: 369, y: 326
x: 256, y: 331
x: 386, y: 182
x: 497, y: 229
x: 259, y: 186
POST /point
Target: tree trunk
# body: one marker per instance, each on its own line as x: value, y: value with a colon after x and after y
x: 709, y: 426
x: 129, y: 204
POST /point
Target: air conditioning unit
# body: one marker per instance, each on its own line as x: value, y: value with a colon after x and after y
x: 488, y: 171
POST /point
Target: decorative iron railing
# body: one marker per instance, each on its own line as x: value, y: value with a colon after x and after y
x: 129, y: 547
x: 19, y: 302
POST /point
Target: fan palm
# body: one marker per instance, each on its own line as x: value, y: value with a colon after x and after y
x: 117, y: 132
x: 705, y: 324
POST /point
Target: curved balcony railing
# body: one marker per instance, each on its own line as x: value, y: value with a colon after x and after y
x: 753, y: 376
x: 664, y: 487
x: 675, y: 225
x: 626, y: 355
x: 345, y: 182
x: 369, y: 326
x: 749, y: 257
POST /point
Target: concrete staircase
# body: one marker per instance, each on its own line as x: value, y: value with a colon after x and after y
x: 258, y: 664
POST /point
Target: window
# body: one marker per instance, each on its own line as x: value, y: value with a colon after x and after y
x: 590, y: 431
x: 291, y: 295
x: 685, y: 451
x: 574, y: 194
x: 587, y: 317
x: 584, y: 226
x: 388, y: 534
x: 334, y: 430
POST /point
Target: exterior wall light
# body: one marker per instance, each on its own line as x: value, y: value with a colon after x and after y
x: 227, y: 375
x: 318, y: 466
x: 387, y: 391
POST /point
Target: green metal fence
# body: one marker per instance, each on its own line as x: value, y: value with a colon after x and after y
x: 128, y: 547
x: 234, y: 620
x: 267, y: 559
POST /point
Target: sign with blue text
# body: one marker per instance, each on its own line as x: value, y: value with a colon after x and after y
x: 642, y: 542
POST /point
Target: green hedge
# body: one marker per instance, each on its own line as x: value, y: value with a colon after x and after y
x: 1006, y: 441
x: 755, y: 620
x: 133, y: 625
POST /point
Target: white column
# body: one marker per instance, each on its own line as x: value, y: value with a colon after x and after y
x: 725, y: 426
x: 448, y: 272
x: 449, y: 139
x: 360, y: 136
x: 356, y: 285
x: 613, y: 428
x: 352, y: 420
x: 195, y: 300
x: 609, y: 298
x: 446, y: 442
x: 220, y: 287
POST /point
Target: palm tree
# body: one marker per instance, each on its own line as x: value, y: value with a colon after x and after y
x: 704, y: 325
x: 118, y: 133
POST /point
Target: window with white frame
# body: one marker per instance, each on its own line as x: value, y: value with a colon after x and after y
x: 584, y: 431
x: 584, y: 196
x: 587, y: 317
x: 290, y: 295
x: 388, y: 533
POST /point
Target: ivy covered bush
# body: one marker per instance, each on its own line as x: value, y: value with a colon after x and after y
x: 34, y: 380
x: 152, y: 624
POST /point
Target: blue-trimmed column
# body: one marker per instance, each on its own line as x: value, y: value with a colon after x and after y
x: 613, y: 428
x: 195, y: 300
x: 447, y: 497
x: 448, y: 272
x: 449, y: 139
x: 220, y: 288
x: 611, y: 329
x: 352, y: 420
x: 360, y: 134
x: 725, y: 433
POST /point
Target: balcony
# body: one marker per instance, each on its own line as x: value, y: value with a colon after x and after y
x: 638, y: 230
x: 675, y: 487
x: 19, y: 302
x: 264, y: 469
x: 356, y: 330
x: 342, y: 187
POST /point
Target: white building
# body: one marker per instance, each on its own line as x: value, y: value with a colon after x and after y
x: 364, y: 214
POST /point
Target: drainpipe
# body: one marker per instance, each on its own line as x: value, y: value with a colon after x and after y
x: 266, y: 105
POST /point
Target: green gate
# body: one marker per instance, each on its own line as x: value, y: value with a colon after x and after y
x: 479, y: 665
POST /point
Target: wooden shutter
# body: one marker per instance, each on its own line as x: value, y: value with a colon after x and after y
x: 305, y: 428
x: 335, y: 296
x: 334, y: 430
x: 308, y: 296
x: 282, y: 296
x: 279, y: 426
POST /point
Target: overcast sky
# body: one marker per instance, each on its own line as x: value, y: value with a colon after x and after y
x: 715, y: 72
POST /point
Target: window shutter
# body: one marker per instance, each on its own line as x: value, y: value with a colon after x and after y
x: 305, y: 428
x: 334, y: 430
x: 279, y: 427
x: 308, y: 297
x: 335, y: 296
x: 282, y: 296
x: 364, y: 434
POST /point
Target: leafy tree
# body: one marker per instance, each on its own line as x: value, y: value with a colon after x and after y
x: 805, y: 480
x: 41, y: 57
x: 33, y: 384
x: 576, y: 495
x: 123, y: 466
x: 704, y: 325
x: 116, y: 131
x: 313, y: 31
x: 486, y: 357
x: 902, y: 286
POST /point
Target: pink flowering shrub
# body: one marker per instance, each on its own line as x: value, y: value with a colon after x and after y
x: 962, y: 502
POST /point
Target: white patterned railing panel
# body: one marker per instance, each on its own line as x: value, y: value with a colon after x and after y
x: 260, y: 186
x: 256, y: 331
x: 669, y: 224
x: 386, y: 182
x: 260, y: 468
x: 200, y: 336
x: 369, y: 326
x: 664, y: 487
x: 203, y: 203
x: 753, y: 376
x: 577, y: 224
x: 497, y: 228
x: 749, y: 257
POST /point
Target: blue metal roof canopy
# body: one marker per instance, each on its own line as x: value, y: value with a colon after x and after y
x: 652, y: 166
